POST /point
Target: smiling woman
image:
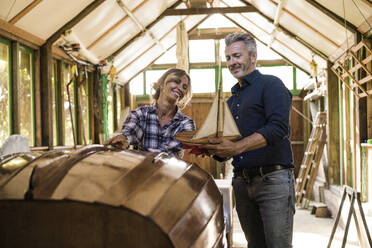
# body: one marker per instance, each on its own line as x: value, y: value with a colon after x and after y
x: 152, y: 128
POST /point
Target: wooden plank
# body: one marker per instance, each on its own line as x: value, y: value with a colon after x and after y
x: 15, y: 33
x: 209, y: 11
x: 333, y: 126
x: 86, y: 11
x: 37, y: 99
x: 46, y: 63
x: 25, y: 11
x: 15, y: 85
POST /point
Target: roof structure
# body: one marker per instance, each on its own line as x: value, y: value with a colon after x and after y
x: 131, y: 35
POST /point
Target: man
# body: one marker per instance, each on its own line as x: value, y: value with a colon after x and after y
x: 263, y: 180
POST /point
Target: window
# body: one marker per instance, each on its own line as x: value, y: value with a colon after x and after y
x: 169, y: 57
x: 203, y: 80
x: 201, y: 51
x: 110, y: 103
x: 152, y: 77
x: 68, y: 139
x: 84, y: 107
x: 301, y: 79
x: 4, y: 90
x: 285, y: 73
x: 136, y: 85
x: 25, y: 93
x: 228, y: 80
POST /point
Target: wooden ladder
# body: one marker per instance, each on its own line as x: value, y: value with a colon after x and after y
x: 310, y: 162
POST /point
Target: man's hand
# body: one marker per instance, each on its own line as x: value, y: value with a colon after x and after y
x: 222, y: 147
x: 118, y: 141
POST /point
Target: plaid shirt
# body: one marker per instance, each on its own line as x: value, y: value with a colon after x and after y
x: 142, y: 129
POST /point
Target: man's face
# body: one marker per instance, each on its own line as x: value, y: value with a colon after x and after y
x: 239, y: 61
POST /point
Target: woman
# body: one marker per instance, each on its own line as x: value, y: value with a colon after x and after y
x: 152, y: 128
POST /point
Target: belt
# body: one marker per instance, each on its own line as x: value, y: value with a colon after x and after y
x: 258, y: 171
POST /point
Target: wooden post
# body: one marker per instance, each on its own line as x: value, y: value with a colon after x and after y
x: 46, y: 63
x: 333, y: 127
x: 97, y: 107
x: 59, y: 103
x: 38, y: 137
x: 15, y: 82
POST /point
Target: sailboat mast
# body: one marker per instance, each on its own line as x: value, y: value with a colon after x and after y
x: 220, y: 109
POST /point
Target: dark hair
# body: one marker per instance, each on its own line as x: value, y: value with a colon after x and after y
x: 173, y: 74
x: 248, y: 40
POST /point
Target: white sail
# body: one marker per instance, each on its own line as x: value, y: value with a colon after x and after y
x: 209, y: 126
x: 229, y: 124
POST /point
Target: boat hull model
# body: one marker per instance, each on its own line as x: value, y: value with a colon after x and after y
x: 94, y: 197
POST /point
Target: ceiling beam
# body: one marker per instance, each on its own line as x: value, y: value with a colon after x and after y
x: 292, y: 35
x: 209, y: 11
x: 86, y: 11
x: 212, y: 33
x: 24, y: 12
x: 141, y: 33
x: 15, y: 33
x: 332, y: 15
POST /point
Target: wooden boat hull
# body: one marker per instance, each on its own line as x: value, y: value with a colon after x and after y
x: 99, y: 198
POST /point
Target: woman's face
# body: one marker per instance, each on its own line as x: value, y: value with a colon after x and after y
x: 175, y: 88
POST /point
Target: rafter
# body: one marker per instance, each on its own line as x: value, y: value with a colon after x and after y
x: 113, y: 27
x: 86, y: 11
x: 24, y: 12
x: 209, y: 11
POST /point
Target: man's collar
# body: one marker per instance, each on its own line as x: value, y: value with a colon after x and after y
x: 245, y: 81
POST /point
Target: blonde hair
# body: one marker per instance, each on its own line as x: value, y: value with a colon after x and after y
x: 173, y: 74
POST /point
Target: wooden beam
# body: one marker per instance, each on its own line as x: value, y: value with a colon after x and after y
x: 24, y: 12
x: 223, y: 64
x: 38, y: 113
x: 15, y: 33
x: 333, y: 126
x: 121, y: 21
x: 292, y: 35
x: 333, y: 16
x: 86, y: 11
x: 209, y: 11
x: 46, y: 63
x: 15, y: 118
x: 141, y: 33
x: 212, y: 33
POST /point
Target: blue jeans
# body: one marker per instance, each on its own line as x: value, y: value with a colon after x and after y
x: 266, y: 206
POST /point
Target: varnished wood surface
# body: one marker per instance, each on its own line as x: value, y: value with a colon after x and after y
x: 94, y: 197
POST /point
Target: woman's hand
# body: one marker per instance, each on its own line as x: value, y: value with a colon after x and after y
x: 118, y: 141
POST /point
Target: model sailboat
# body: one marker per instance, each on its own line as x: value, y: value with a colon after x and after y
x: 218, y: 124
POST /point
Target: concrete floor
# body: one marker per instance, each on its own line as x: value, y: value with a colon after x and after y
x: 309, y: 232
